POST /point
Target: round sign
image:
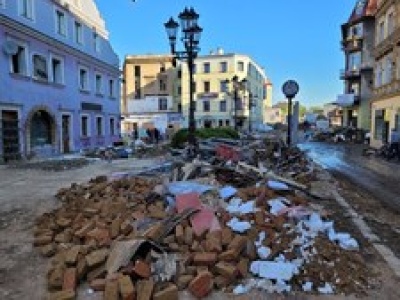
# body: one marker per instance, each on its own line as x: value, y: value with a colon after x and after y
x: 290, y: 88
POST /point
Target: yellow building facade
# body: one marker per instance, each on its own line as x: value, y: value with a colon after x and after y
x: 214, y: 95
x: 147, y: 98
x: 385, y: 106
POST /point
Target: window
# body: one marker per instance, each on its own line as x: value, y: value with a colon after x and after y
x: 220, y: 123
x: 227, y: 122
x: 381, y: 32
x: 179, y: 90
x: 162, y: 103
x: 240, y: 66
x: 223, y: 67
x: 390, y: 23
x: 222, y: 106
x: 137, y: 71
x: 99, y: 126
x: 61, y: 24
x: 111, y: 88
x: 57, y: 70
x: 194, y: 69
x: 354, y: 61
x: 162, y: 69
x: 206, y: 86
x: 83, y: 79
x: 39, y: 63
x: 179, y: 74
x: 206, y: 67
x: 223, y: 86
x: 78, y: 33
x: 85, y: 126
x: 162, y: 85
x: 99, y: 84
x: 19, y: 61
x: 206, y: 105
x: 112, y: 126
x: 194, y: 86
x: 26, y: 8
x: 96, y: 41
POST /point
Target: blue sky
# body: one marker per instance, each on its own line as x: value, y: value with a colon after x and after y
x: 291, y: 39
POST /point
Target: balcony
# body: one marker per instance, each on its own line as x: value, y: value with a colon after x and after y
x: 367, y: 67
x: 348, y: 100
x: 348, y: 74
x: 353, y: 44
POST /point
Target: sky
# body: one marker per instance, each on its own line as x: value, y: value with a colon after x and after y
x: 290, y: 39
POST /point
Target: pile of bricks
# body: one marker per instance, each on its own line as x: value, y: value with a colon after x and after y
x: 79, y: 235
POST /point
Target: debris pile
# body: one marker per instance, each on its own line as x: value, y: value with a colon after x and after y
x: 139, y: 238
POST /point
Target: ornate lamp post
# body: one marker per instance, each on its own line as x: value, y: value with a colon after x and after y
x: 238, y: 85
x: 191, y: 33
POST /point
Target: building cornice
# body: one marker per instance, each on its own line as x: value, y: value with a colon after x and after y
x: 23, y: 29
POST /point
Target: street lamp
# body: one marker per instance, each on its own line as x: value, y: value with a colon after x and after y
x: 191, y: 33
x: 238, y: 85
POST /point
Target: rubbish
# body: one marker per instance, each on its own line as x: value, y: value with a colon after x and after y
x: 227, y: 192
x: 165, y: 266
x: 182, y: 187
x: 277, y: 205
x: 237, y: 207
x: 344, y: 239
x: 273, y: 270
x: 326, y: 289
x: 277, y: 185
x: 204, y: 221
x: 307, y: 287
x: 238, y: 226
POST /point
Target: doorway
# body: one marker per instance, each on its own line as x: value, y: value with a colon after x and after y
x: 66, y: 134
x: 9, y: 132
x: 207, y: 124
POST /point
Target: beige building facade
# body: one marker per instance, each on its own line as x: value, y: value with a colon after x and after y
x: 386, y: 100
x: 214, y: 95
x: 148, y: 94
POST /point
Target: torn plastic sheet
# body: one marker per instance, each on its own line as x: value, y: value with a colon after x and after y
x: 277, y: 205
x: 238, y: 226
x: 264, y: 252
x: 344, y: 240
x: 227, y: 192
x: 274, y: 270
x: 326, y: 289
x: 184, y: 187
x: 277, y: 185
x: 307, y: 286
x: 236, y: 206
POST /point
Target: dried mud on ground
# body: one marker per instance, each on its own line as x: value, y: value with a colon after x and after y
x: 26, y: 194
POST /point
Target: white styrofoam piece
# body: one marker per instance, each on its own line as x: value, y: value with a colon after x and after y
x: 327, y: 289
x: 263, y: 252
x: 273, y: 270
x: 277, y: 185
x: 238, y: 226
x: 307, y: 287
x: 276, y: 205
x: 227, y: 192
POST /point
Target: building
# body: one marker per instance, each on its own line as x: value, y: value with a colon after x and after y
x: 334, y: 114
x: 149, y: 94
x: 274, y: 115
x: 386, y: 100
x: 214, y: 93
x: 357, y: 44
x: 59, y: 78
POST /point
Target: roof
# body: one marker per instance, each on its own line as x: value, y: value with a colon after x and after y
x: 362, y: 9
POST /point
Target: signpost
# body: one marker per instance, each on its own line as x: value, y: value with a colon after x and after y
x: 290, y: 88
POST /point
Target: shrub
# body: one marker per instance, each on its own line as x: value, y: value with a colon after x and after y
x: 180, y: 138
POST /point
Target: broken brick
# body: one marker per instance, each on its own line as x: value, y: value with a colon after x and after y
x: 48, y: 250
x: 115, y: 227
x: 126, y: 288
x: 144, y: 289
x: 96, y: 257
x: 228, y: 255
x: 62, y: 295
x: 226, y: 236
x: 55, y: 277
x: 238, y: 243
x: 142, y: 269
x: 179, y: 234
x: 169, y: 293
x: 126, y: 227
x: 85, y: 229
x: 97, y: 273
x: 205, y: 259
x: 98, y: 284
x: 188, y: 235
x: 226, y: 270
x: 70, y: 279
x: 183, y: 281
x: 201, y: 285
x: 81, y: 268
x: 111, y: 290
x: 213, y: 244
x: 72, y: 255
x: 243, y: 267
x: 42, y: 240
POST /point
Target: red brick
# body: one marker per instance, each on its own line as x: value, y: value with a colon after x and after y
x: 102, y: 236
x: 42, y: 240
x: 179, y: 234
x: 97, y: 257
x: 213, y: 244
x: 144, y: 289
x: 126, y: 288
x: 259, y: 218
x: 205, y: 259
x: 85, y: 229
x: 98, y: 284
x: 72, y: 255
x: 243, y: 267
x: 226, y: 270
x: 188, y: 235
x: 70, y: 279
x: 111, y: 290
x: 169, y: 293
x: 201, y: 285
x: 189, y: 200
x: 55, y: 277
x: 228, y: 255
x: 238, y: 243
x: 183, y: 281
x: 142, y: 269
